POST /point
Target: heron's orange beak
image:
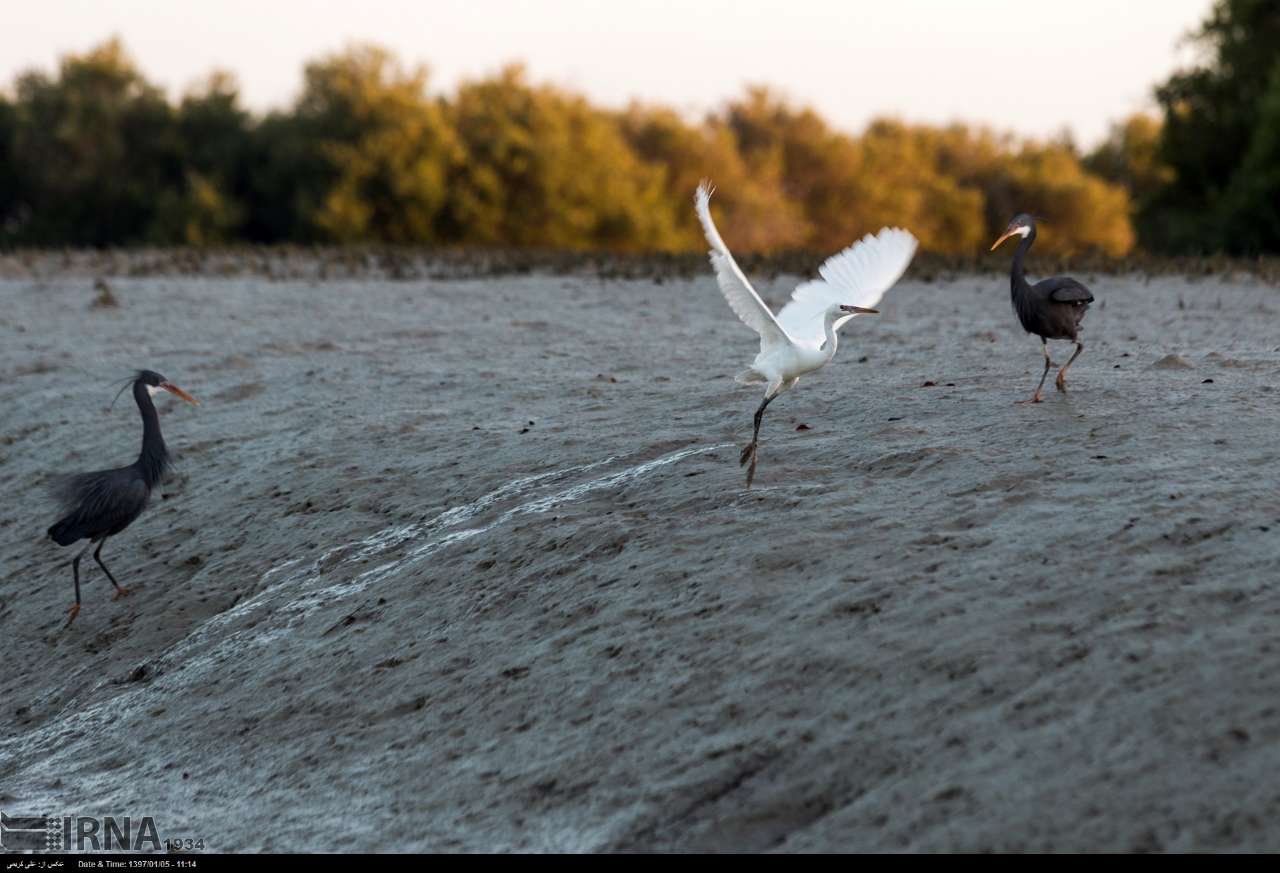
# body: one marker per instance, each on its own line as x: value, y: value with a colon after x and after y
x: 1008, y: 233
x: 860, y: 310
x: 174, y: 389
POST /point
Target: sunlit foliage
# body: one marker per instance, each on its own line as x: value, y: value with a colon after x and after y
x: 96, y: 155
x: 387, y: 143
x: 543, y: 167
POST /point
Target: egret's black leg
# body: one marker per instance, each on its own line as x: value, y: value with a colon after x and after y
x: 97, y: 556
x: 75, y: 574
x: 1062, y: 382
x: 749, y: 453
x: 755, y: 436
x: 1035, y: 398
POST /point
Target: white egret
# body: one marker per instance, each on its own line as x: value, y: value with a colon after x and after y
x: 802, y: 337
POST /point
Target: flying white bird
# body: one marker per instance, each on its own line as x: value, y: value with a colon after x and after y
x: 802, y: 337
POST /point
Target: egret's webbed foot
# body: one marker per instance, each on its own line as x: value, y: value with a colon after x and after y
x: 71, y: 615
x: 121, y: 592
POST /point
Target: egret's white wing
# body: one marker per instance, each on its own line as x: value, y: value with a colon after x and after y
x: 857, y: 276
x: 743, y: 299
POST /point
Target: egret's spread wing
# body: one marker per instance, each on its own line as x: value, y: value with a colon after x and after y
x: 857, y: 276
x: 743, y: 299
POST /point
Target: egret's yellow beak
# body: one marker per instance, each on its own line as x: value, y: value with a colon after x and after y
x: 174, y: 389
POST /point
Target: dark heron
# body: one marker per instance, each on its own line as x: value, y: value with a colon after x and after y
x: 101, y: 504
x: 1051, y: 308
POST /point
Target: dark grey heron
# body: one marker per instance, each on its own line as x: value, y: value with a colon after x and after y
x: 1051, y: 308
x: 103, y: 503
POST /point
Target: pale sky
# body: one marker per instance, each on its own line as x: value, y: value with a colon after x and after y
x: 1029, y: 66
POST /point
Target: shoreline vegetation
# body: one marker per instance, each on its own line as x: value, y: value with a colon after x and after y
x: 96, y: 155
x: 415, y: 263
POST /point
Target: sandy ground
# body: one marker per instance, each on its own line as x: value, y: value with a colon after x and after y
x: 469, y: 565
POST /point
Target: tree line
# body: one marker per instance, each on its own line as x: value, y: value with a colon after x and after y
x: 96, y: 155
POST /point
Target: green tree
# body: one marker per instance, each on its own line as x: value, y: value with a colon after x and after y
x: 545, y: 168
x: 1130, y: 157
x: 900, y: 180
x: 754, y: 212
x: 387, y: 143
x: 953, y: 187
x: 1212, y: 113
x: 1249, y: 210
x: 289, y: 180
x: 214, y: 133
x: 10, y: 203
x: 96, y: 155
x: 95, y: 148
x: 1084, y: 212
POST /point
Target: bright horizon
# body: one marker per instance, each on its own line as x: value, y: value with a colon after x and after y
x: 1032, y: 68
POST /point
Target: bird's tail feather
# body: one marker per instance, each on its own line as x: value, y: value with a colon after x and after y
x: 62, y: 532
x: 749, y: 376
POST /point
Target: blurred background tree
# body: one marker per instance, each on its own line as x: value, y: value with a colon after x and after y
x: 542, y: 167
x: 385, y: 146
x: 1249, y: 212
x: 96, y: 155
x: 1217, y: 135
x: 92, y: 150
x: 10, y: 205
x: 756, y: 210
x: 213, y: 132
x: 1130, y: 157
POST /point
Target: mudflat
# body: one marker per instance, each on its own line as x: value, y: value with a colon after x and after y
x: 468, y: 564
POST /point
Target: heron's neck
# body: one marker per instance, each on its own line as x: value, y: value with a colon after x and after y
x: 153, y: 460
x: 1018, y: 276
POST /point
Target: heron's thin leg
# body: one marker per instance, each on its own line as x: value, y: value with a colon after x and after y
x: 1035, y: 398
x: 1062, y: 382
x: 97, y: 556
x: 75, y: 574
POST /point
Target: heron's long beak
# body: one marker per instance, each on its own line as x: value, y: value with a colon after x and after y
x: 995, y: 245
x: 174, y: 389
x: 860, y: 310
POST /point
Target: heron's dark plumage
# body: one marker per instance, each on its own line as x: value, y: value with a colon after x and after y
x: 1051, y: 308
x: 105, y: 502
x: 1064, y: 289
x: 100, y: 504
